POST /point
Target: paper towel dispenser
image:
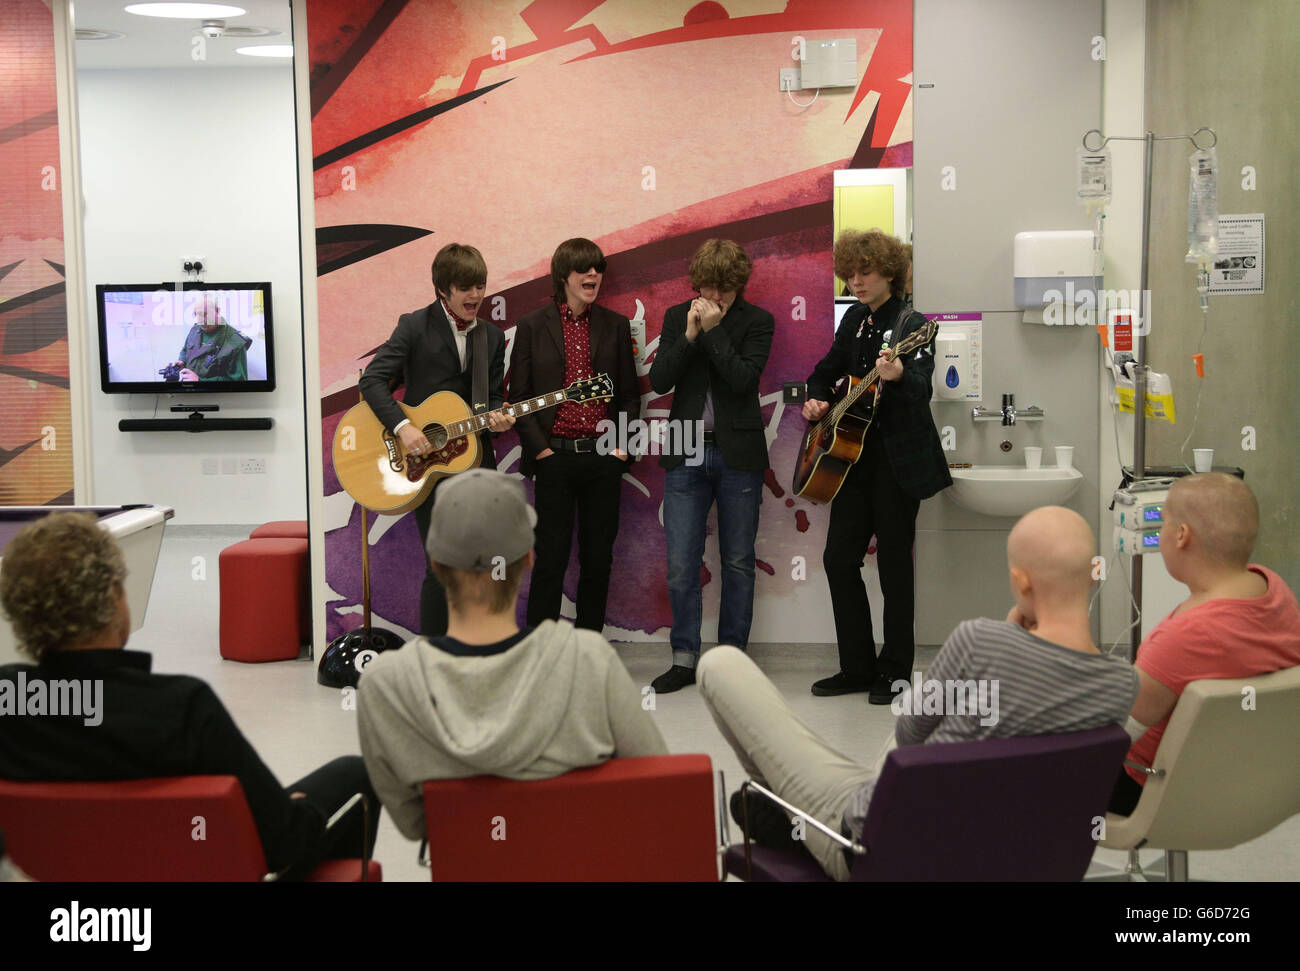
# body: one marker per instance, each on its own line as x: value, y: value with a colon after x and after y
x: 1055, y: 265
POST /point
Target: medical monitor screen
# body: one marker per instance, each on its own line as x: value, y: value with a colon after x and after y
x: 165, y: 339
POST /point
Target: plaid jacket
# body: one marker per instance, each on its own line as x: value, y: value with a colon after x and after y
x: 903, y: 416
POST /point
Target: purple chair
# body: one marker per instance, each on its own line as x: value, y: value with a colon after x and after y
x: 1002, y: 809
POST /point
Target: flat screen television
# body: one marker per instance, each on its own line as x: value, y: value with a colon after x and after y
x: 169, y: 338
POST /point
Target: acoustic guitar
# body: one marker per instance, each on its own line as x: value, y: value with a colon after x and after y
x: 376, y: 471
x: 834, y: 443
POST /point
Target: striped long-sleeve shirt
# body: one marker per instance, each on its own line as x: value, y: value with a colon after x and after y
x: 993, y: 679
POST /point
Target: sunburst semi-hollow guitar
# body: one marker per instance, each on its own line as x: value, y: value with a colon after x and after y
x: 834, y: 443
x: 382, y: 476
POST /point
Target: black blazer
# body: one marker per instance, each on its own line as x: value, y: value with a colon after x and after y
x: 422, y: 354
x: 729, y: 359
x: 537, y: 367
x: 911, y: 441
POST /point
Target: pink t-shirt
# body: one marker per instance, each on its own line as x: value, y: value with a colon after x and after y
x: 1223, y: 639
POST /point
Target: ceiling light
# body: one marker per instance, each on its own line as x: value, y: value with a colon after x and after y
x: 185, y: 11
x: 267, y: 50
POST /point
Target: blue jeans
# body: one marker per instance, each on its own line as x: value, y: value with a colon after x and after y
x: 689, y: 491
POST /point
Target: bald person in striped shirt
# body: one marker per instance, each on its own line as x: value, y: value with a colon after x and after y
x: 1035, y: 673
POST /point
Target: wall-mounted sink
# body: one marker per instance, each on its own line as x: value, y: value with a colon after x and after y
x: 1004, y: 490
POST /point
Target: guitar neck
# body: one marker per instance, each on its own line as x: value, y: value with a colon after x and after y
x: 858, y: 390
x: 479, y: 423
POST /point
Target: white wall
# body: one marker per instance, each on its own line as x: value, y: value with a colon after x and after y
x: 202, y: 162
x: 1123, y: 86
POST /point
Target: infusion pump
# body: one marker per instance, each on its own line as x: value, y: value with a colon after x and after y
x: 1139, y: 514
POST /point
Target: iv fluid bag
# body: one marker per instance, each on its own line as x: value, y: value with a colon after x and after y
x: 1094, y: 176
x: 1203, y: 207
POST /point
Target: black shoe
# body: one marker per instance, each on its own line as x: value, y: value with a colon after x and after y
x: 841, y: 684
x: 769, y: 826
x: 882, y: 690
x: 674, y: 679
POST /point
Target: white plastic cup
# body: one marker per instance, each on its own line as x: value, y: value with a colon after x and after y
x: 1033, y: 457
x: 1203, y: 459
x: 1065, y: 456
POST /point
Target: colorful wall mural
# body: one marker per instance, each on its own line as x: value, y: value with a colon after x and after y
x: 647, y: 127
x: 35, y: 401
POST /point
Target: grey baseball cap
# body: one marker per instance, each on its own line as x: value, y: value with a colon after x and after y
x: 481, y: 514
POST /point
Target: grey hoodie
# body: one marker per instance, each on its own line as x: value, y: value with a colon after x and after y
x: 560, y: 699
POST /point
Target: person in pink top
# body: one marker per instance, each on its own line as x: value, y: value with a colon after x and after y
x: 1240, y: 620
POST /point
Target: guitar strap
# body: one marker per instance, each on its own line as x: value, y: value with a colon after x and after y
x: 478, y: 360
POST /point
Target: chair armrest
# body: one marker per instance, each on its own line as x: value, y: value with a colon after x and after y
x: 852, y: 846
x: 335, y: 820
x: 1158, y: 773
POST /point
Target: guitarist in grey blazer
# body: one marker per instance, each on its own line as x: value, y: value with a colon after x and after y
x: 437, y: 348
x: 902, y: 463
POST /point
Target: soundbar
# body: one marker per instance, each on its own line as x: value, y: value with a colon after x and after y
x: 195, y: 423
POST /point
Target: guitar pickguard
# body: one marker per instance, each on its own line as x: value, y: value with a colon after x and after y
x: 418, y: 465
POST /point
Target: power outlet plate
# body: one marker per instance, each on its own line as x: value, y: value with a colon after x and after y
x: 253, y: 467
x: 210, y: 466
x: 194, y: 259
x: 228, y: 467
x: 789, y: 79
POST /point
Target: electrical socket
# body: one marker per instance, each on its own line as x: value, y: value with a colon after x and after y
x: 228, y: 467
x: 789, y: 79
x: 253, y: 467
x: 194, y: 259
x: 210, y: 466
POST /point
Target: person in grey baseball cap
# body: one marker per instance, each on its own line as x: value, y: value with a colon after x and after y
x: 483, y: 522
x: 489, y: 698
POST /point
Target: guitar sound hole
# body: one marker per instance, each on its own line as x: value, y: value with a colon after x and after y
x: 437, y: 435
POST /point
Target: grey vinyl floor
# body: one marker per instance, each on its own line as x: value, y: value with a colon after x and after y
x: 296, y: 724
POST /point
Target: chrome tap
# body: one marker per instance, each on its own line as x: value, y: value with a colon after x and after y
x: 1008, y: 415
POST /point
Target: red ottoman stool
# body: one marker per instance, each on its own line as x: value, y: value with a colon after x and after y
x: 264, y: 599
x: 281, y: 529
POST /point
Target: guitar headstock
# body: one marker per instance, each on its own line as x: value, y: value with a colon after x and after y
x: 590, y: 389
x: 918, y: 338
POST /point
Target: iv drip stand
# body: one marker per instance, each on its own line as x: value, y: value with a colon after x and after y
x: 1139, y: 346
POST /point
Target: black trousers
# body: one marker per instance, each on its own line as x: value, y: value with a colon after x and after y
x: 433, y: 597
x: 585, y: 487
x: 1124, y: 797
x: 871, y: 502
x: 328, y: 788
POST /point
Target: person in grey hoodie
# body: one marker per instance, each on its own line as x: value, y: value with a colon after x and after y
x: 488, y: 698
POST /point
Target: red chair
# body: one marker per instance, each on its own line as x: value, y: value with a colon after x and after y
x: 642, y: 819
x: 281, y: 529
x: 145, y: 830
x: 265, y: 599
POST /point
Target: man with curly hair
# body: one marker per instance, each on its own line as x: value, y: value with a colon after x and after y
x: 711, y: 356
x: 901, y: 463
x: 61, y: 588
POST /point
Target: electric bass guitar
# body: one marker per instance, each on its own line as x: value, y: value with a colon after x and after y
x: 376, y: 470
x: 834, y: 443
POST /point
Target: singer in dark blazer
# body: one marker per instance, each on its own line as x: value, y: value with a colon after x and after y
x: 902, y: 463
x: 431, y: 350
x: 570, y: 338
x: 712, y: 351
